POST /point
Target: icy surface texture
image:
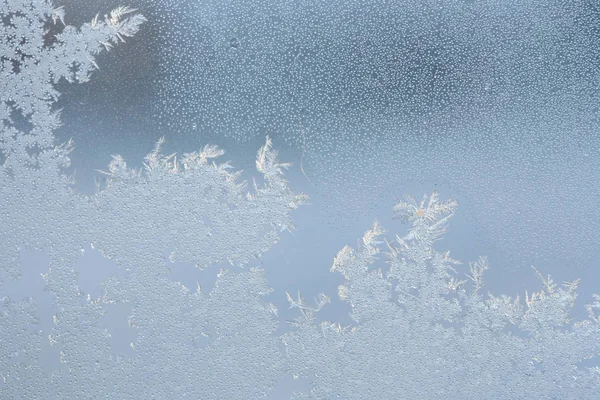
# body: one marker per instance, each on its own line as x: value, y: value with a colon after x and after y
x: 422, y: 332
x: 189, y: 344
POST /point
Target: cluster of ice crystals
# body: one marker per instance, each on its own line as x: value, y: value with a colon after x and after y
x: 422, y: 333
x: 188, y: 344
x: 420, y: 330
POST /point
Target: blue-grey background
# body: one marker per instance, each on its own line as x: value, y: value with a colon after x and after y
x: 494, y: 104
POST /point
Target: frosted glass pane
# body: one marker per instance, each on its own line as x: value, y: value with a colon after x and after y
x: 287, y: 200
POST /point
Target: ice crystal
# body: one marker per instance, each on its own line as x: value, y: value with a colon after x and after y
x: 421, y: 329
x: 37, y: 50
x: 189, y: 344
x: 422, y: 333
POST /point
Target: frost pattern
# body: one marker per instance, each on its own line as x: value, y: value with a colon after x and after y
x: 36, y: 51
x: 189, y: 344
x: 421, y: 332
